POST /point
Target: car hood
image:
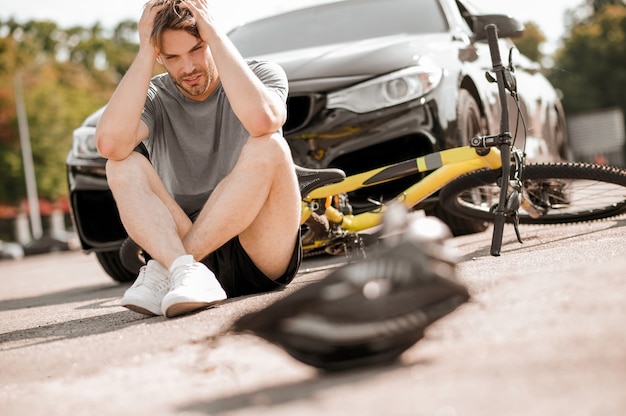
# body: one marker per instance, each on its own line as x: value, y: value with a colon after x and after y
x: 329, y: 67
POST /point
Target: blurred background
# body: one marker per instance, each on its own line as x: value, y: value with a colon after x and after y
x: 60, y: 61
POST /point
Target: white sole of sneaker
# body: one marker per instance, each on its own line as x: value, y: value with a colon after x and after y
x: 187, y: 307
x: 141, y: 310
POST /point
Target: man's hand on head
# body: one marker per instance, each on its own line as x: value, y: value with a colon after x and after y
x: 146, y: 21
x: 203, y: 13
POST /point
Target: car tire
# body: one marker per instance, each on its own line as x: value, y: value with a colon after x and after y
x: 132, y: 256
x: 112, y: 265
x: 560, y: 134
x: 469, y: 124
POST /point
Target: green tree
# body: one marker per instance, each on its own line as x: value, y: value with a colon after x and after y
x: 590, y: 68
x: 599, y: 5
x: 66, y: 75
x: 529, y: 43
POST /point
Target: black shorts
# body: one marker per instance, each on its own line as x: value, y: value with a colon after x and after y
x: 234, y: 269
x: 238, y: 274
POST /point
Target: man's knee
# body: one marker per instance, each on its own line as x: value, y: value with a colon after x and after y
x: 270, y: 150
x: 119, y: 171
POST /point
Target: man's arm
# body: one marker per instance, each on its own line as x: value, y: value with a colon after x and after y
x: 120, y: 129
x: 260, y: 110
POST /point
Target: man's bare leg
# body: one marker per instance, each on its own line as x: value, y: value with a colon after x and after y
x: 259, y: 201
x: 150, y: 215
x: 174, y: 284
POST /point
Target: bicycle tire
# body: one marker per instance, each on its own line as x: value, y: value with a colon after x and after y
x: 569, y: 192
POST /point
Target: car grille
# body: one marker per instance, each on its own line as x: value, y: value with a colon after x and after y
x: 301, y: 109
x: 98, y: 221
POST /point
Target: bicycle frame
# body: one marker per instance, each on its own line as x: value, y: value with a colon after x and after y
x: 492, y: 152
x: 445, y: 165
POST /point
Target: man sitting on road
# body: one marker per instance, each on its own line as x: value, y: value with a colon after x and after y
x: 215, y: 200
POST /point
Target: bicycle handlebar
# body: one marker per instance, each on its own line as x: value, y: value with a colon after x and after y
x: 505, y: 149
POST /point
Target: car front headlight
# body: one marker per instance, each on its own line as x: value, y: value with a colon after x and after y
x: 392, y: 89
x: 84, y: 143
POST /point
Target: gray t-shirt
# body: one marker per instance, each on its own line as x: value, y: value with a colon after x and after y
x: 193, y: 145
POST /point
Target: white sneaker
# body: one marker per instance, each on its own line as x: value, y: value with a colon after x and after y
x: 192, y: 286
x: 146, y: 294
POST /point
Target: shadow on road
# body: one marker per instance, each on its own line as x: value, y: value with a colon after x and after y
x: 76, y: 328
x: 81, y: 294
x: 532, y: 239
x: 292, y: 392
x: 97, y: 297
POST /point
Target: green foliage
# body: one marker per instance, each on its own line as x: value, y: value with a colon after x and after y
x: 66, y: 75
x: 529, y: 43
x: 590, y: 69
x: 599, y: 5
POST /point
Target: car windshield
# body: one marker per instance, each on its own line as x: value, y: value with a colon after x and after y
x: 340, y: 22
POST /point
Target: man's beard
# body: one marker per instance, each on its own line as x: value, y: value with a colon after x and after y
x: 193, y: 90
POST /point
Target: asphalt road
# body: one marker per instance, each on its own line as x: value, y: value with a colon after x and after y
x: 544, y: 334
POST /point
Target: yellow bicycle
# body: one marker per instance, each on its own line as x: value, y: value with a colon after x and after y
x: 468, y: 182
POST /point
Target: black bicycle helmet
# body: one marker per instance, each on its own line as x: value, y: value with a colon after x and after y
x: 368, y: 312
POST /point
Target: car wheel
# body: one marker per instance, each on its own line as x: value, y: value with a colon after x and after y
x: 132, y: 256
x: 560, y: 134
x: 469, y: 124
x: 112, y: 265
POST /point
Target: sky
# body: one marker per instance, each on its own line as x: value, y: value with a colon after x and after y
x: 547, y: 14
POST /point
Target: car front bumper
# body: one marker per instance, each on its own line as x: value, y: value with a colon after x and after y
x: 94, y: 211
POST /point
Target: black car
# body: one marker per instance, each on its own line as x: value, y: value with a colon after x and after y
x: 371, y: 82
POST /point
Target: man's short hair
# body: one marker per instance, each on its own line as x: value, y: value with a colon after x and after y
x: 172, y: 17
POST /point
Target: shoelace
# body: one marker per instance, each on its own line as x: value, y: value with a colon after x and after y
x: 180, y: 273
x: 141, y: 277
x: 152, y: 283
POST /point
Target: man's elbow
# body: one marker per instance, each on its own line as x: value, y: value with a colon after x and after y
x: 109, y: 148
x: 267, y: 124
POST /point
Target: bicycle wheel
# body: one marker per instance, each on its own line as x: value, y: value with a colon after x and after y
x: 554, y: 193
x: 469, y: 125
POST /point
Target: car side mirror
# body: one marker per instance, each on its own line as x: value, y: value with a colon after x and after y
x: 508, y: 27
